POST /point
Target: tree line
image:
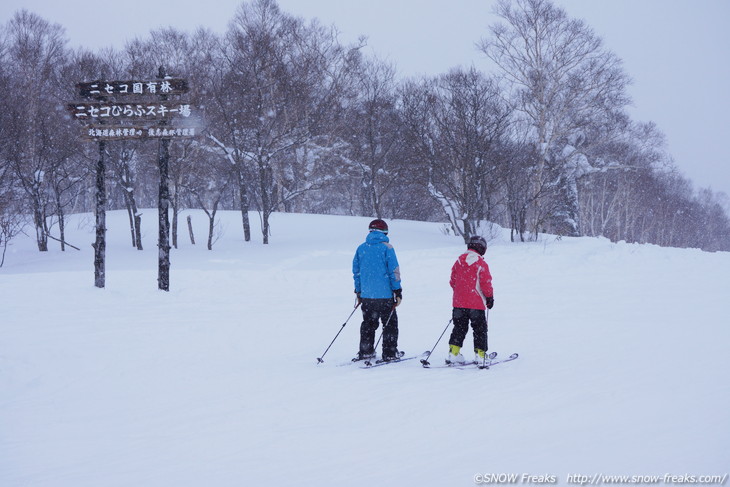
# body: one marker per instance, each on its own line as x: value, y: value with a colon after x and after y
x: 296, y: 121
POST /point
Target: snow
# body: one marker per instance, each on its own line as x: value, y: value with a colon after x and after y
x: 623, y: 362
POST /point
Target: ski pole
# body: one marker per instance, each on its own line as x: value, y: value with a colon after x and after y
x: 425, y: 361
x: 320, y: 359
x: 383, y: 330
x: 486, y: 326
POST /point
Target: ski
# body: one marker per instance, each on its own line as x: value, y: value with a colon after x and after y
x: 426, y: 364
x: 378, y: 363
x: 470, y: 365
x: 354, y: 361
x: 491, y: 364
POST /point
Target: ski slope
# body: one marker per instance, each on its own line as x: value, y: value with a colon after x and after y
x: 623, y: 366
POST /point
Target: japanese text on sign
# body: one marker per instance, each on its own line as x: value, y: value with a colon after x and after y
x: 101, y: 111
x: 153, y: 87
x: 121, y: 133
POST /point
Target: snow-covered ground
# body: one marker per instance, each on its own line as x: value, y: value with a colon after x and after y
x: 623, y: 366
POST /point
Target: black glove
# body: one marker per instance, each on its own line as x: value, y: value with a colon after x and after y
x: 398, y: 293
x: 358, y: 299
x: 490, y: 302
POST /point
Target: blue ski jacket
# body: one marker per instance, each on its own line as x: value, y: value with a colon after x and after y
x: 375, y: 267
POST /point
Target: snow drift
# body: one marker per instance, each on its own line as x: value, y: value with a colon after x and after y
x: 623, y: 363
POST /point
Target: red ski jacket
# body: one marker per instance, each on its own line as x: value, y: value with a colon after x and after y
x: 471, y: 281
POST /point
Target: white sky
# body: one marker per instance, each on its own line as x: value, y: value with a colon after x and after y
x: 676, y: 51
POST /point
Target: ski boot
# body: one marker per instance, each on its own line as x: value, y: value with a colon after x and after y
x: 363, y: 356
x: 454, y: 356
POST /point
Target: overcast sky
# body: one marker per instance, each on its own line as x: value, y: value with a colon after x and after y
x: 676, y: 51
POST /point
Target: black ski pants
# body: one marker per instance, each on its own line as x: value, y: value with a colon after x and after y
x: 462, y: 317
x: 373, y: 312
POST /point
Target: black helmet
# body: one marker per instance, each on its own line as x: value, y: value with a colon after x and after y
x: 477, y: 244
x: 378, y: 225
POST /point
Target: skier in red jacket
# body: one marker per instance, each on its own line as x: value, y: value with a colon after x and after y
x: 473, y: 293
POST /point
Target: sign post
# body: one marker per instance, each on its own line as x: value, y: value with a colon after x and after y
x: 144, y: 113
x: 100, y: 243
x: 163, y: 160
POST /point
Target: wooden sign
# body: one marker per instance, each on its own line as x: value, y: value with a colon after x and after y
x: 117, y: 132
x: 169, y: 86
x: 110, y: 112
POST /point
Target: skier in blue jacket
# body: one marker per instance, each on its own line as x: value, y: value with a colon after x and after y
x: 377, y: 285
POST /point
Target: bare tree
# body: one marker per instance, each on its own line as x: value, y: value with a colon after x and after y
x: 716, y: 222
x: 208, y: 183
x: 283, y: 78
x: 561, y: 80
x: 373, y: 134
x: 12, y: 220
x: 36, y: 130
x: 459, y: 123
x: 608, y: 190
